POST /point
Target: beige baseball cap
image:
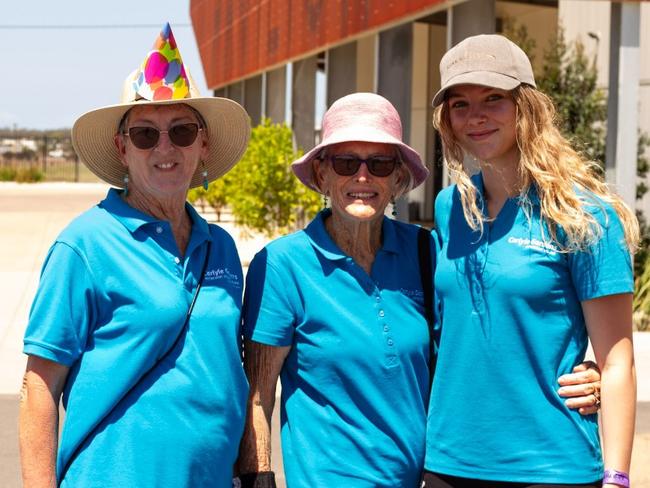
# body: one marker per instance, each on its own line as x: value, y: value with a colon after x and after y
x: 487, y: 60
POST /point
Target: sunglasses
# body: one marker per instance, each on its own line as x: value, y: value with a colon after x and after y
x: 349, y: 164
x: 181, y: 135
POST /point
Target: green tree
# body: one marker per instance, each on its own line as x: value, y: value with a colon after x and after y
x: 263, y: 193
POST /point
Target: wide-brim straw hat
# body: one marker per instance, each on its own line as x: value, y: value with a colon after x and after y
x: 362, y: 117
x: 162, y: 79
x: 487, y: 60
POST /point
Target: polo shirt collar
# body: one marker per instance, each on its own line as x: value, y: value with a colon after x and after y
x: 323, y: 243
x: 134, y: 219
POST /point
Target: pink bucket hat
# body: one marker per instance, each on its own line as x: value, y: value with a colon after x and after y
x: 364, y: 117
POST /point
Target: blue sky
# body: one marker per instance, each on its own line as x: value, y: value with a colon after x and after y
x: 51, y: 76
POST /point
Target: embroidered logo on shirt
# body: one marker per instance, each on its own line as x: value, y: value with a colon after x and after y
x: 221, y: 274
x: 412, y: 293
x: 535, y: 244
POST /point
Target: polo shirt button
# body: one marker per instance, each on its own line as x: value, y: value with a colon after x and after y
x: 386, y: 328
x: 378, y: 298
x: 381, y: 313
x: 177, y: 260
x: 159, y: 229
x: 390, y: 342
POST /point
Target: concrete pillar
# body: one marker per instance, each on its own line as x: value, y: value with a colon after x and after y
x: 303, y: 95
x: 469, y: 19
x: 420, y: 121
x: 276, y: 87
x: 366, y: 72
x: 253, y: 98
x: 235, y: 92
x: 623, y: 100
x: 341, y: 71
x: 437, y: 49
x: 395, y: 62
x: 465, y: 20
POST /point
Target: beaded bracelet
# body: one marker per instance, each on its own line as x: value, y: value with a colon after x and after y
x: 617, y: 478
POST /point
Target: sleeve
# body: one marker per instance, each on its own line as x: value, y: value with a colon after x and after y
x: 268, y: 314
x: 63, y: 310
x: 605, y: 267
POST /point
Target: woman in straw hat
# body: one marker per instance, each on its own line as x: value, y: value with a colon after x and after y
x: 534, y: 262
x: 149, y: 367
x: 339, y: 311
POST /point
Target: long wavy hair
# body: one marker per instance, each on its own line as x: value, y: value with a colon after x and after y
x: 564, y: 179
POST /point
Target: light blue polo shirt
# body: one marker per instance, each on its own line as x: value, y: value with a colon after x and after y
x: 355, y: 384
x: 512, y: 323
x: 112, y: 296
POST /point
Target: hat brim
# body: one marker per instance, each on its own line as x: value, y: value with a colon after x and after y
x: 303, y: 170
x: 482, y: 78
x: 226, y: 123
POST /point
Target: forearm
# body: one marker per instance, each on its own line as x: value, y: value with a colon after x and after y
x: 38, y: 435
x: 262, y: 365
x: 255, y: 448
x: 618, y: 396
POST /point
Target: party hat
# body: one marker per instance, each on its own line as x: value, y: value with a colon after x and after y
x: 162, y: 74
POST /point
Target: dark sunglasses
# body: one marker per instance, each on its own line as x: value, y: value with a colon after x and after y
x: 181, y: 135
x: 349, y: 164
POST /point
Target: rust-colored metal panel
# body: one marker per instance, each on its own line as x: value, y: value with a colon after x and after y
x: 237, y: 38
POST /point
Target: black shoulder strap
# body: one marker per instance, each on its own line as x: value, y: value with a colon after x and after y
x: 427, y: 277
x: 74, y: 453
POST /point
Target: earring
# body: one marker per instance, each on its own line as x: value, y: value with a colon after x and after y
x: 324, y: 201
x: 126, y: 185
x: 394, y: 208
x: 205, y: 176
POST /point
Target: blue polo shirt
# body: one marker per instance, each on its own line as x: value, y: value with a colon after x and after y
x: 113, y: 294
x: 512, y: 323
x: 355, y: 384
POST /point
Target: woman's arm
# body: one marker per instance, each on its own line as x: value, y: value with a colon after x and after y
x: 38, y: 422
x: 262, y: 364
x: 609, y: 323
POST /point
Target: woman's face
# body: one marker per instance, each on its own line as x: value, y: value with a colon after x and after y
x: 484, y: 122
x: 166, y: 169
x: 361, y: 196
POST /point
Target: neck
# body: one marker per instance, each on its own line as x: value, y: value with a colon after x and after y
x: 358, y: 239
x: 171, y: 209
x: 500, y: 182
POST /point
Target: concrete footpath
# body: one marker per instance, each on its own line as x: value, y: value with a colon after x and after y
x: 31, y: 216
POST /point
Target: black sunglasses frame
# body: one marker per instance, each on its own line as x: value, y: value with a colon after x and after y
x: 354, y: 163
x: 150, y: 143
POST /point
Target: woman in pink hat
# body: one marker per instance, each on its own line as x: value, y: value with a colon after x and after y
x: 342, y: 311
x: 135, y: 326
x: 534, y: 262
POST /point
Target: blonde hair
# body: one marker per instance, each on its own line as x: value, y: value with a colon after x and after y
x: 563, y: 178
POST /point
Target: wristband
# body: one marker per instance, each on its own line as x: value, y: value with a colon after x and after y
x: 616, y: 478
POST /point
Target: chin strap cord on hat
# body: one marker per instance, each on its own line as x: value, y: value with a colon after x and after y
x: 180, y: 334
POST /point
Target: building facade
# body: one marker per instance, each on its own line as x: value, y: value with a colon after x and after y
x: 290, y: 59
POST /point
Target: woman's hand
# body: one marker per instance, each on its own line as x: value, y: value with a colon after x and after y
x: 581, y: 388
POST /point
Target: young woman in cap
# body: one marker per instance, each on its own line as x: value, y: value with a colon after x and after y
x: 338, y: 312
x: 149, y: 367
x: 534, y: 261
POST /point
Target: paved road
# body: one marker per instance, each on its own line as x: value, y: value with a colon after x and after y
x: 30, y: 218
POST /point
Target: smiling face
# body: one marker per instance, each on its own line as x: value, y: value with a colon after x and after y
x: 484, y: 122
x: 165, y: 170
x: 361, y: 196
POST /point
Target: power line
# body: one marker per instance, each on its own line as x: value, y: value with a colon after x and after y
x: 85, y: 26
